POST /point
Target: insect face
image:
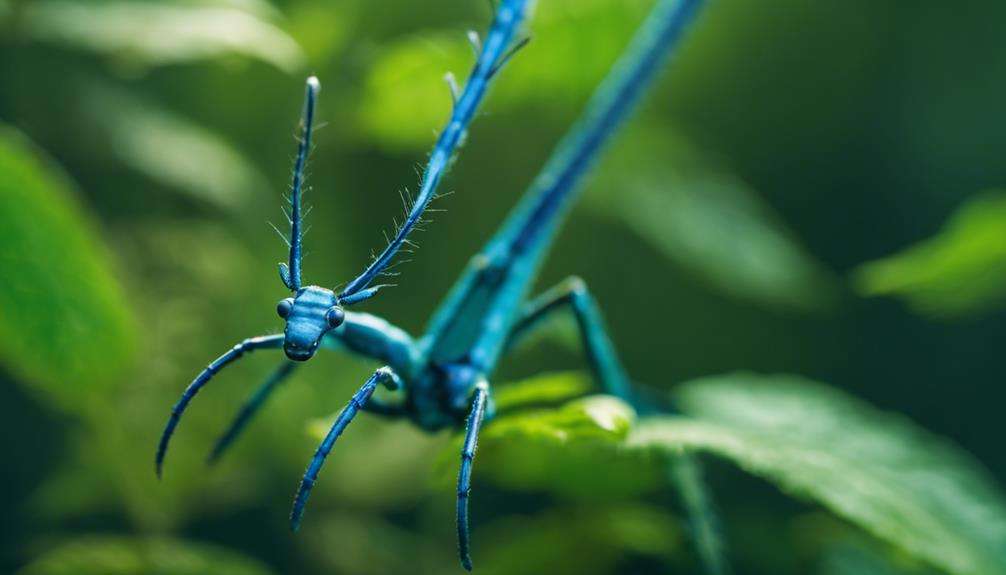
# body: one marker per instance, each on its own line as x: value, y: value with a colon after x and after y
x: 309, y: 315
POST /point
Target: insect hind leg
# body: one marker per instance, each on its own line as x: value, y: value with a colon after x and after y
x: 573, y: 294
x: 685, y: 469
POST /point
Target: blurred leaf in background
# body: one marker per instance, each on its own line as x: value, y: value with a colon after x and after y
x: 708, y: 221
x: 406, y: 98
x: 67, y: 327
x: 856, y: 558
x: 170, y: 149
x: 146, y: 34
x: 959, y: 272
x: 112, y: 555
x: 877, y: 470
x: 581, y: 540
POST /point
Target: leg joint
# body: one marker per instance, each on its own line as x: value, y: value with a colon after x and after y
x: 575, y: 286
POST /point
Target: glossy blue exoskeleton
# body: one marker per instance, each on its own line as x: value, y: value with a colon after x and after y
x: 442, y: 378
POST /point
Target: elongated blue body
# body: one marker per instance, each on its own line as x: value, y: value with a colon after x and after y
x: 313, y: 312
x: 445, y: 374
x: 471, y: 326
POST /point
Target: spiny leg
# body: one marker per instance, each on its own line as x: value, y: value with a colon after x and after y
x: 600, y: 350
x: 384, y: 376
x: 250, y: 408
x: 235, y: 353
x: 472, y: 428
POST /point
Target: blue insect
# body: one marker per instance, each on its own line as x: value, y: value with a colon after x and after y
x: 442, y: 378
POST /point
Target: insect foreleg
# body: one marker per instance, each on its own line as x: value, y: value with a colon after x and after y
x: 250, y: 408
x: 361, y: 334
x: 235, y: 353
x: 383, y: 376
x: 473, y: 426
x: 384, y: 409
x: 573, y: 294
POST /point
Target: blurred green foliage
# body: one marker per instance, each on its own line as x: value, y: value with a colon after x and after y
x: 97, y: 555
x: 738, y: 223
x: 960, y: 271
x: 666, y: 191
x: 143, y: 34
x: 64, y: 327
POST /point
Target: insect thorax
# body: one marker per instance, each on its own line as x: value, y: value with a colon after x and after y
x: 442, y: 395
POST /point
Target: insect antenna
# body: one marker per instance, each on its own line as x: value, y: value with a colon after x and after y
x: 290, y: 272
x: 493, y: 52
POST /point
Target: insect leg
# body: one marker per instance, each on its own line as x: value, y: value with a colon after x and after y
x: 384, y: 376
x: 259, y: 397
x: 573, y: 293
x: 378, y: 407
x: 250, y: 408
x: 685, y: 470
x: 361, y: 334
x: 235, y: 353
x: 472, y: 428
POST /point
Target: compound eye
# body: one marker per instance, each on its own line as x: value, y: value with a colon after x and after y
x: 284, y: 307
x: 335, y: 316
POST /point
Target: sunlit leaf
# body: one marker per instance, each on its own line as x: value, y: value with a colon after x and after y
x: 559, y: 449
x: 707, y: 220
x: 154, y: 34
x: 598, y: 417
x: 876, y: 470
x: 112, y: 555
x: 574, y: 44
x: 543, y: 389
x: 261, y: 8
x: 65, y: 325
x: 959, y: 271
x: 172, y: 150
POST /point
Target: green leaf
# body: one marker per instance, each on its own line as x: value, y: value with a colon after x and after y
x: 65, y: 325
x: 172, y: 150
x: 594, y: 418
x: 852, y: 558
x: 156, y: 34
x: 876, y: 470
x: 542, y: 389
x: 558, y: 449
x: 112, y: 555
x: 707, y: 221
x: 575, y: 42
x: 960, y: 271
